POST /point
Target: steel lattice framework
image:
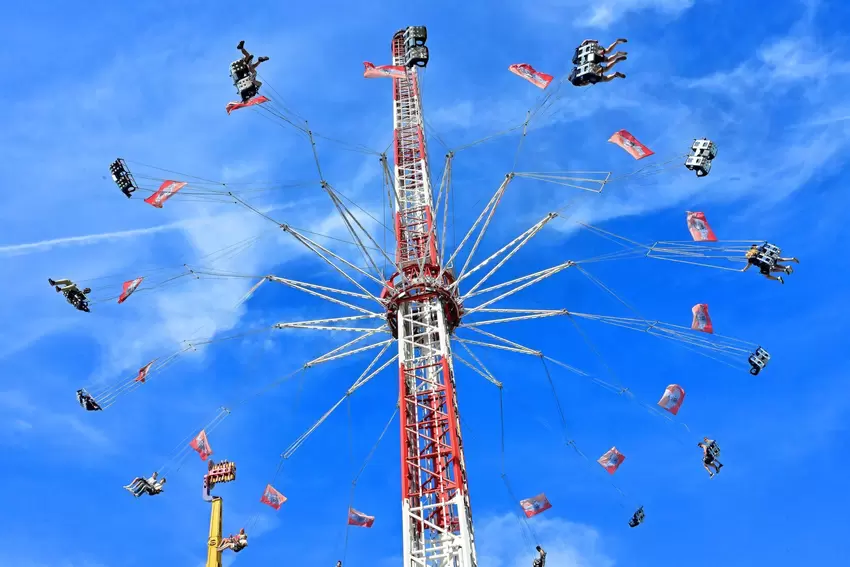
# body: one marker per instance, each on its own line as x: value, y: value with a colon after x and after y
x: 436, y: 513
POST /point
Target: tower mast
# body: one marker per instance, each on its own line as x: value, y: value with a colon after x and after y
x: 423, y: 313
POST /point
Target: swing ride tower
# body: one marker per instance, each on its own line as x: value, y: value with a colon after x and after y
x: 217, y: 474
x: 423, y: 308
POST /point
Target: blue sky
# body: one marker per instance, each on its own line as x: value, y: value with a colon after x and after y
x: 150, y: 84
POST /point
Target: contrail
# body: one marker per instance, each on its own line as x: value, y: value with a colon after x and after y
x: 19, y: 249
x: 88, y: 239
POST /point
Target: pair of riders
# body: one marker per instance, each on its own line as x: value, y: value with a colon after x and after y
x: 235, y: 543
x: 72, y: 293
x: 248, y: 60
x: 710, y: 454
x: 87, y: 402
x: 151, y: 485
x: 767, y: 268
x: 601, y: 60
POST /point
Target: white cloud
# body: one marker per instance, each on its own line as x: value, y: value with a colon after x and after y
x: 567, y: 544
x: 603, y: 13
x: 24, y: 418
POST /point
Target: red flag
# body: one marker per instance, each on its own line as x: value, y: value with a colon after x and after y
x: 531, y: 75
x: 631, y: 144
x: 673, y: 398
x: 699, y: 227
x: 231, y: 106
x: 356, y: 518
x: 143, y: 372
x: 202, y: 445
x: 535, y: 505
x: 372, y: 72
x: 129, y: 288
x: 272, y: 497
x: 611, y: 460
x: 702, y: 320
x: 164, y: 193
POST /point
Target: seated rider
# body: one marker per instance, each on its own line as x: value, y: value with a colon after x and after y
x: 540, y: 560
x: 602, y: 53
x: 66, y: 286
x: 765, y: 268
x: 709, y: 449
x: 637, y: 518
x: 597, y: 74
x: 151, y: 485
x: 87, y: 402
x: 78, y: 299
x: 248, y: 58
x: 72, y: 293
x: 236, y: 542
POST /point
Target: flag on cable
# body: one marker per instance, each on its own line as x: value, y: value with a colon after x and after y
x: 128, y: 288
x: 673, y: 398
x: 272, y: 497
x: 611, y: 460
x: 143, y: 372
x: 165, y: 192
x: 535, y: 505
x: 701, y: 320
x: 530, y: 74
x: 699, y: 228
x: 231, y: 106
x: 202, y: 445
x: 631, y: 144
x: 356, y: 518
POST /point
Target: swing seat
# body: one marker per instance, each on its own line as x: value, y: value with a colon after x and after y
x: 704, y: 148
x: 588, y: 73
x: 239, y: 70
x: 758, y: 360
x: 247, y: 88
x: 416, y: 56
x: 700, y: 164
x: 415, y: 36
x: 771, y: 250
x: 589, y: 53
x: 121, y: 176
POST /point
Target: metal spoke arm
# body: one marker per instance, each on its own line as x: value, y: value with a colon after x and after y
x: 520, y: 315
x: 517, y: 244
x: 547, y: 272
x: 522, y: 350
x: 333, y: 324
x: 487, y: 213
x: 340, y: 353
x: 347, y: 217
x: 537, y: 278
x: 445, y: 189
x: 365, y: 377
x: 320, y: 251
x: 306, y: 288
x: 480, y: 369
x: 538, y: 354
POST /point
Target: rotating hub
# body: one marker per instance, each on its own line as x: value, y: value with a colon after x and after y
x: 422, y: 288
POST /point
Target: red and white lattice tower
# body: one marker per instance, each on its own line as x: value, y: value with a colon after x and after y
x: 423, y: 309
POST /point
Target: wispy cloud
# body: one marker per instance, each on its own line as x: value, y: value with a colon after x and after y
x: 604, y: 13
x: 24, y: 418
x: 567, y: 544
